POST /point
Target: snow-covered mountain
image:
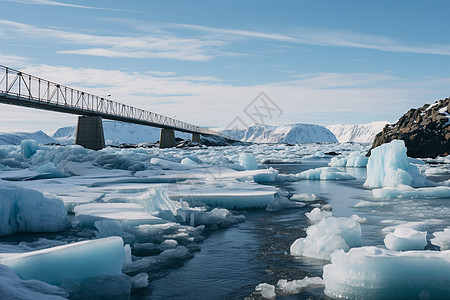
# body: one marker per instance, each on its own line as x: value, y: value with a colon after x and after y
x: 119, y: 132
x: 289, y: 134
x: 359, y: 133
x: 15, y: 138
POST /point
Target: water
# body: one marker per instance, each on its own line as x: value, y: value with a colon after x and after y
x: 233, y: 261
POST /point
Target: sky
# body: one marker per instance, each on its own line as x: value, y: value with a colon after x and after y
x: 213, y: 63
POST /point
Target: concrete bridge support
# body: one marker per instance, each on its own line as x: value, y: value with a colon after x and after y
x: 196, y: 138
x: 167, y: 138
x: 90, y: 132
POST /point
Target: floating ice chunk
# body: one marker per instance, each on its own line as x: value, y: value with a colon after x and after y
x: 303, y: 197
x: 217, y: 216
x: 170, y: 165
x: 388, y: 166
x: 156, y: 199
x: 266, y: 177
x: 139, y: 281
x: 359, y: 219
x: 29, y: 148
x: 77, y: 261
x: 248, y: 161
x: 324, y: 173
x: 128, y: 214
x: 374, y: 273
x: 13, y: 287
x: 188, y: 161
x: 24, y: 210
x: 405, y: 191
x: 328, y: 235
x: 317, y: 215
x: 442, y: 239
x: 405, y: 238
x: 266, y: 290
x: 296, y: 286
x: 280, y: 203
x: 355, y: 160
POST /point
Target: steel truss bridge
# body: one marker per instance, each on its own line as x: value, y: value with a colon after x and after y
x: 21, y: 89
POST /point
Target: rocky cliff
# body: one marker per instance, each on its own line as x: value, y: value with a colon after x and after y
x: 425, y: 130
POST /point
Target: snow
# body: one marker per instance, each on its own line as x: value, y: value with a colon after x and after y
x: 359, y: 133
x: 374, y: 273
x: 405, y: 238
x: 388, y: 165
x: 326, y: 236
x: 15, y: 138
x: 53, y: 265
x: 442, y: 239
x: 289, y: 134
x: 23, y: 210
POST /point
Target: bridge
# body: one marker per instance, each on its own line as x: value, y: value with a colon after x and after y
x: 21, y: 89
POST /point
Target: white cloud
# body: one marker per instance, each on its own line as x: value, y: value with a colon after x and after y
x: 139, y: 46
x: 328, y: 38
x: 63, y: 4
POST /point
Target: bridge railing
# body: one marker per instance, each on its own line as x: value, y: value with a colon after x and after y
x: 27, y: 87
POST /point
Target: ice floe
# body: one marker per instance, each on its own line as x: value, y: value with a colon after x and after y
x: 375, y: 273
x: 328, y: 235
x: 405, y: 238
x: 76, y: 261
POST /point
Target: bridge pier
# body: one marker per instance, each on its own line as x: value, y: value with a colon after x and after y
x: 196, y: 138
x: 90, y: 132
x: 167, y: 138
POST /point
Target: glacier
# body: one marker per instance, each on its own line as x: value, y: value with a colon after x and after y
x: 358, y: 133
x: 288, y: 134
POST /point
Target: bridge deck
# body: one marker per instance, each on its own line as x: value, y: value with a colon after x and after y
x: 20, y: 89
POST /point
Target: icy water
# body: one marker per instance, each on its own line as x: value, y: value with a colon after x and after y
x: 235, y: 260
x: 188, y: 257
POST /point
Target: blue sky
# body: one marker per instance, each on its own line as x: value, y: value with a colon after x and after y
x: 321, y: 62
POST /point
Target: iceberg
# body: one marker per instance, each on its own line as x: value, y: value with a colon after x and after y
x: 23, y: 210
x: 388, y: 165
x: 77, y: 261
x: 375, y: 273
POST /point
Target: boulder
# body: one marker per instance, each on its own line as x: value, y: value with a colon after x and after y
x: 425, y: 130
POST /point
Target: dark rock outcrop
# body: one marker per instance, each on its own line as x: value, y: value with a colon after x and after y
x: 425, y: 130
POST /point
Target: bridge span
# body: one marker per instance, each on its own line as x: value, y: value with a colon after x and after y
x: 21, y: 89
